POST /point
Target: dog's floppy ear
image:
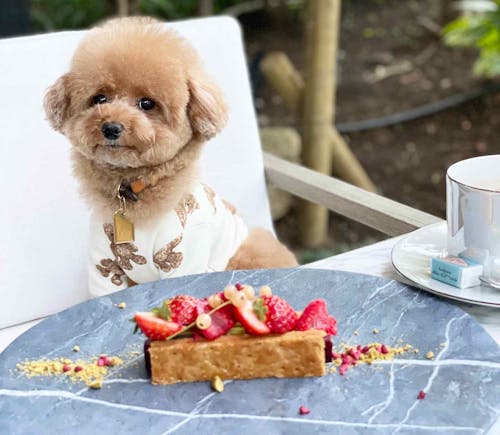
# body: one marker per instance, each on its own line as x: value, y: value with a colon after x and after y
x: 56, y: 102
x: 206, y: 110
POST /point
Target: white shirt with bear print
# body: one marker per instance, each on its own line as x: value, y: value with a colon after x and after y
x: 200, y: 235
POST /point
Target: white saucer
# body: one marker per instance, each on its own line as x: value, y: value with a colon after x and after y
x: 411, y: 258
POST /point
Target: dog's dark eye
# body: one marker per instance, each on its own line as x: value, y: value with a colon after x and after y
x: 146, y: 103
x: 99, y: 99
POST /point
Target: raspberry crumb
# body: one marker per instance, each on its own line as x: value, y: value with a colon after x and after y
x: 303, y: 410
x: 238, y: 286
x: 78, y: 369
x: 421, y: 395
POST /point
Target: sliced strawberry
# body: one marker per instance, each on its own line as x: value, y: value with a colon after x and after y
x: 222, y: 320
x: 155, y: 327
x: 280, y: 316
x: 183, y: 309
x: 247, y: 316
x: 315, y: 316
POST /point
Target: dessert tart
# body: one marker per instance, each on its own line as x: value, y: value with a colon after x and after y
x: 235, y: 334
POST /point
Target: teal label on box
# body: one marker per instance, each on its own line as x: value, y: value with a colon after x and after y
x: 445, y: 272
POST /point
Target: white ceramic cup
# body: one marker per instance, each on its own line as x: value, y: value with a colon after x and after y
x: 473, y: 212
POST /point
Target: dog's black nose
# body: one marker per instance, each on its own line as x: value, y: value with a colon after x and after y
x: 111, y: 130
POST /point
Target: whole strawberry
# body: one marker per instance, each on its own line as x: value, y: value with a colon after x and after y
x: 181, y: 309
x: 315, y: 316
x: 280, y: 316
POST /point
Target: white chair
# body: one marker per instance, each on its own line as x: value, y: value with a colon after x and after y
x: 43, y: 245
x: 44, y: 222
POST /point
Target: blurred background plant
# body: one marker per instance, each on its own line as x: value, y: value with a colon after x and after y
x: 49, y: 15
x: 478, y: 27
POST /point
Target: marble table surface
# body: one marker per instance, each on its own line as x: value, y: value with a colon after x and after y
x: 461, y: 382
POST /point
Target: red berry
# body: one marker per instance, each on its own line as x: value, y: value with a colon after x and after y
x: 421, y: 395
x: 66, y: 368
x: 383, y: 349
x: 343, y: 368
x: 315, y: 316
x: 183, y: 309
x: 238, y: 286
x: 303, y: 410
x: 155, y: 327
x: 247, y: 316
x: 280, y: 316
x: 222, y: 320
x: 78, y: 369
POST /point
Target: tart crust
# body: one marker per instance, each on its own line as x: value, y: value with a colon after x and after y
x: 291, y: 355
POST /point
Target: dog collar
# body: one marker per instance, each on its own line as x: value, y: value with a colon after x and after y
x: 129, y: 190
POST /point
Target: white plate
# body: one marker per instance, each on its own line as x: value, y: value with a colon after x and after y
x: 411, y: 257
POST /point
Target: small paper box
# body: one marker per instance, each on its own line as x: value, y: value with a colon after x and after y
x: 456, y: 271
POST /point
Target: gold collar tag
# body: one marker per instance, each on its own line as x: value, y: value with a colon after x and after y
x: 123, y: 227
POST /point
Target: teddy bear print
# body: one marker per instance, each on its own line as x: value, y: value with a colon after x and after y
x: 109, y: 267
x: 124, y: 253
x: 166, y: 259
x: 186, y: 206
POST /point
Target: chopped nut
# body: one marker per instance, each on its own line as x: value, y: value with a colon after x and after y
x: 376, y: 331
x: 416, y: 351
x: 429, y: 355
x: 218, y: 384
x: 96, y: 384
x: 356, y: 333
x: 122, y: 305
x: 76, y: 348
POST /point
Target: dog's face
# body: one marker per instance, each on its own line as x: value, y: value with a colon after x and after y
x: 134, y: 96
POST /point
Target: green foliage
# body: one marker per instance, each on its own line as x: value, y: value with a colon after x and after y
x: 49, y: 15
x: 482, y: 31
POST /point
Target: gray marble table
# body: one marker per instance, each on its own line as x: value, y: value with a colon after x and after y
x: 462, y: 382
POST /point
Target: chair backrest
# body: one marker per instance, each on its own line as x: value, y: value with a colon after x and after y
x: 43, y: 242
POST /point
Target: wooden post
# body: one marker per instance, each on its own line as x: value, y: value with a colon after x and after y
x: 318, y: 104
x: 284, y: 78
x: 123, y: 8
x: 287, y: 81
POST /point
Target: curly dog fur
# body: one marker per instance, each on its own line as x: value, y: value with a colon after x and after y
x: 126, y: 60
